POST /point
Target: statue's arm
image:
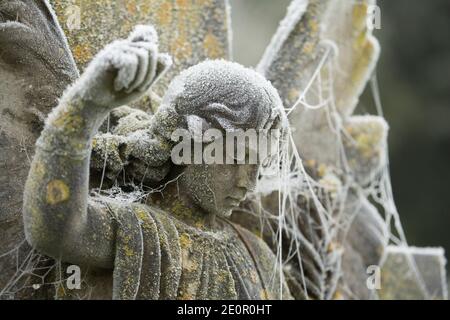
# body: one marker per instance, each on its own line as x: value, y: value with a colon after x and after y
x: 60, y: 218
x: 133, y: 146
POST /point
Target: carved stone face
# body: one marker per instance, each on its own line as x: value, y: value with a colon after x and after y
x: 219, y: 188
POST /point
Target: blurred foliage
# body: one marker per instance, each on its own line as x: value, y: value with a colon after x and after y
x: 414, y: 80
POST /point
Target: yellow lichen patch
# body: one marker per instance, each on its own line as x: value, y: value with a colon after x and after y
x: 367, y: 144
x: 257, y: 232
x: 164, y: 14
x: 359, y: 41
x: 359, y: 15
x: 57, y: 192
x: 366, y: 56
x: 82, y: 53
x: 333, y: 246
x: 182, y: 4
x: 61, y: 292
x: 131, y: 7
x: 367, y: 139
x: 314, y: 26
x: 311, y: 163
x: 322, y: 170
x: 199, y: 224
x: 180, y: 211
x: 222, y: 276
x: 144, y: 217
x: 308, y: 48
x: 181, y: 48
x: 264, y: 295
x: 185, y: 241
x: 364, y: 144
x: 69, y: 122
x: 338, y: 296
x: 128, y: 251
x: 212, y: 46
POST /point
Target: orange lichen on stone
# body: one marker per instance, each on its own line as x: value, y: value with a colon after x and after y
x: 181, y: 48
x: 164, y: 14
x: 212, y: 46
x: 82, y: 53
x: 182, y: 3
x: 264, y: 295
x: 338, y: 296
x: 131, y: 7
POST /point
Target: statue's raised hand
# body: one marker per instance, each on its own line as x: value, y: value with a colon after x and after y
x: 124, y: 70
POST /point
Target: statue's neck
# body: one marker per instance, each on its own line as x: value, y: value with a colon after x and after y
x: 173, y: 200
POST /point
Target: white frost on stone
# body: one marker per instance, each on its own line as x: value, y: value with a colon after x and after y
x: 225, y: 94
x: 295, y: 12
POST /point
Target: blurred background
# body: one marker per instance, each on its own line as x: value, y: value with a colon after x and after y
x: 414, y: 80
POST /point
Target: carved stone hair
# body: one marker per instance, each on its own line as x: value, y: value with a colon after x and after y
x: 213, y: 94
x: 222, y: 95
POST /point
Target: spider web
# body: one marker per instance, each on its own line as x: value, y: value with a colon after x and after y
x: 293, y: 182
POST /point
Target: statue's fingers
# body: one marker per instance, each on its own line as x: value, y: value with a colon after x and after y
x: 142, y: 67
x: 151, y: 71
x: 126, y: 65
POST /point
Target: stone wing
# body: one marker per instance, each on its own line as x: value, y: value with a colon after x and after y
x: 189, y: 30
x: 35, y: 67
x: 303, y: 38
x: 320, y: 60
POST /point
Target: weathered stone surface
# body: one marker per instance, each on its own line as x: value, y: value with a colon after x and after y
x: 320, y: 60
x: 190, y: 31
x: 298, y: 46
x: 313, y: 36
x: 399, y: 281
